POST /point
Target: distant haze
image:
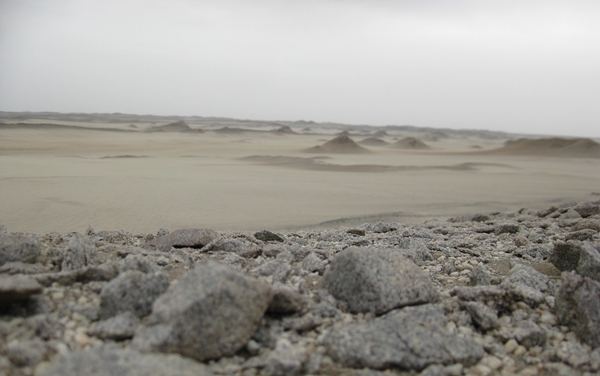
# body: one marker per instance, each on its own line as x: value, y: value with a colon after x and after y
x: 515, y: 66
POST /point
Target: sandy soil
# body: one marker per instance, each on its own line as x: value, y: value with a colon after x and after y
x: 67, y: 178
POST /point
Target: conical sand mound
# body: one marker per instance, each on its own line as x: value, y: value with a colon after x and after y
x: 551, y: 147
x: 284, y: 129
x: 409, y: 143
x: 373, y: 141
x: 339, y: 145
x: 178, y: 126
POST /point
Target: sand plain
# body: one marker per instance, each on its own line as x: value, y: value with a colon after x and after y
x: 67, y: 175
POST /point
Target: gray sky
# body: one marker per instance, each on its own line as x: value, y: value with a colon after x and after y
x: 517, y: 66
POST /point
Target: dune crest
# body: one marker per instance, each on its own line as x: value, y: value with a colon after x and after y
x: 339, y: 145
x: 178, y: 126
x: 409, y: 143
x: 550, y: 147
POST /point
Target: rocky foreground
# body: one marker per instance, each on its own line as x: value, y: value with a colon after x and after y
x: 490, y: 294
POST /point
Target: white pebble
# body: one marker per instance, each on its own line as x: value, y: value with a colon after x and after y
x: 492, y: 362
x: 520, y: 351
x: 529, y: 371
x: 511, y: 345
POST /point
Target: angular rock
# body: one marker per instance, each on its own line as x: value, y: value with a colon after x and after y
x: 480, y: 276
x: 184, y: 238
x: 565, y: 255
x: 577, y: 305
x: 408, y: 338
x: 209, y: 313
x: 526, y: 333
x: 268, y: 236
x: 589, y: 262
x: 586, y: 234
x: 240, y: 247
x: 133, y: 292
x: 120, y: 327
x: 588, y: 209
x: 377, y: 280
x: 284, y: 360
x: 286, y: 300
x: 26, y: 352
x: 18, y: 267
x: 507, y: 228
x: 18, y: 288
x: 484, y: 316
x: 312, y: 263
x: 80, y: 253
x: 524, y: 275
x: 110, y: 362
x: 19, y: 247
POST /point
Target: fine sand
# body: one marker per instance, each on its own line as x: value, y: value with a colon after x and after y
x: 140, y: 175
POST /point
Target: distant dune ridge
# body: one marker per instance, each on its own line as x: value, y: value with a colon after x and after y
x: 284, y: 129
x: 409, y: 143
x: 550, y: 147
x: 339, y: 145
x: 178, y: 126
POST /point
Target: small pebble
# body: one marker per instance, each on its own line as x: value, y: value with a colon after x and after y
x: 520, y: 351
x: 511, y: 345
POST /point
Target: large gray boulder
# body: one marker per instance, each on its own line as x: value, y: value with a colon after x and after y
x: 209, y: 313
x: 408, y: 338
x: 19, y: 247
x: 133, y: 292
x: 377, y: 280
x: 581, y: 257
x: 110, y: 362
x: 577, y: 305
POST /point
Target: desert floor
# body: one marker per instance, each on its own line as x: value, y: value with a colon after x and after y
x: 66, y: 179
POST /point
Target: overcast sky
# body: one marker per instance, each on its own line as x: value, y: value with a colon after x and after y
x: 517, y: 66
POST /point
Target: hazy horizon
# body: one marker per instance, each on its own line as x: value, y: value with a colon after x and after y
x: 508, y: 66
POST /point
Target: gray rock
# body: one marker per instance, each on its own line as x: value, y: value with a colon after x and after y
x: 209, y: 313
x: 184, y: 238
x: 133, y: 292
x: 120, y: 327
x: 588, y: 209
x: 27, y: 352
x: 565, y: 255
x: 577, y: 305
x: 586, y: 234
x: 268, y: 236
x: 409, y: 338
x: 526, y: 333
x: 589, y: 262
x: 312, y: 263
x: 19, y: 247
x: 484, y: 316
x: 480, y: 276
x: 80, y: 253
x: 18, y: 288
x: 110, y: 362
x: 524, y: 275
x: 18, y: 267
x: 415, y: 249
x: 377, y: 280
x: 240, y: 247
x: 286, y: 300
x: 280, y: 269
x: 507, y: 228
x: 138, y: 263
x: 284, y: 360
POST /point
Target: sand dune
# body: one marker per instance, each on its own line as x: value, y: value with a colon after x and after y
x: 550, y: 147
x: 411, y: 143
x: 340, y: 145
x: 284, y: 129
x: 178, y: 126
x: 65, y: 176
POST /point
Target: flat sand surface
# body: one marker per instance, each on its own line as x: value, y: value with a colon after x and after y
x: 66, y: 179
